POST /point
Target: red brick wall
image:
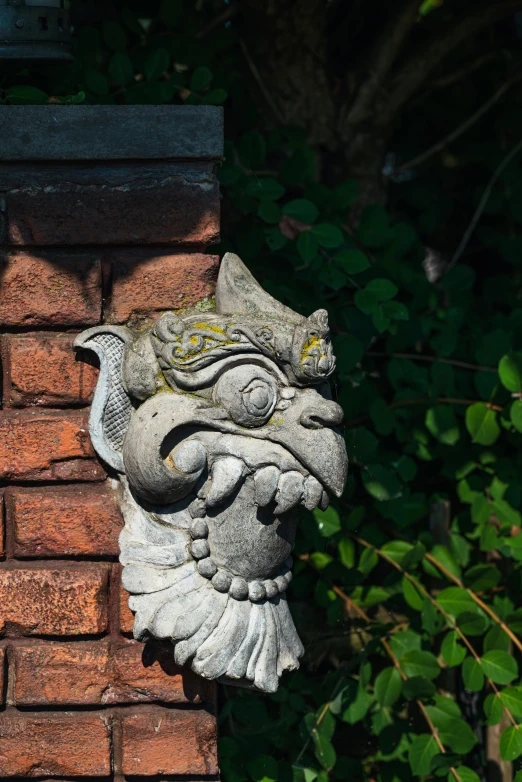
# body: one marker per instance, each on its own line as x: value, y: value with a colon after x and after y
x: 117, y: 242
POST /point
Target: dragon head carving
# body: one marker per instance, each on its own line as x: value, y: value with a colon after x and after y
x: 219, y: 425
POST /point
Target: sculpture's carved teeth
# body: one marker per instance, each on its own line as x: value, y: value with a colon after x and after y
x: 313, y: 491
x: 289, y: 491
x: 266, y: 481
x: 226, y: 475
x: 325, y: 501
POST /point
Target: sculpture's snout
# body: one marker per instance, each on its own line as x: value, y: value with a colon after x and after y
x: 322, y: 413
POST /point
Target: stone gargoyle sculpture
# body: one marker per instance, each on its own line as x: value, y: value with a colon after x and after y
x: 218, y: 424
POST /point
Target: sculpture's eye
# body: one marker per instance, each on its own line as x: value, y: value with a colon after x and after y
x: 248, y: 393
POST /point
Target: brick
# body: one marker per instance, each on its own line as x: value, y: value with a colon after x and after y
x: 99, y: 673
x: 146, y: 282
x: 35, y: 745
x: 118, y: 204
x: 161, y: 741
x: 71, y: 520
x: 126, y: 615
x: 2, y: 672
x: 2, y: 524
x: 44, y: 370
x: 50, y: 289
x: 65, y: 599
x: 38, y: 444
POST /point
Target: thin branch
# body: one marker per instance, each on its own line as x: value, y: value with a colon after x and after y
x: 350, y: 605
x: 482, y: 205
x: 432, y: 359
x: 456, y: 75
x: 489, y: 611
x: 416, y: 70
x: 462, y: 128
x: 221, y: 18
x: 383, y: 56
x: 441, y: 610
x: 324, y: 712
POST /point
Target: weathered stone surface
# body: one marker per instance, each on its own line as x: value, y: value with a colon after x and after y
x: 65, y: 599
x: 39, y: 445
x: 50, y: 288
x: 162, y: 203
x: 36, y: 745
x: 147, y: 282
x: 95, y: 132
x: 42, y: 370
x: 159, y: 741
x: 98, y: 673
x: 212, y: 479
x: 65, y: 521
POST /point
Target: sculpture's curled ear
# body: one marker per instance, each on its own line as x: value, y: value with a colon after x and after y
x: 111, y: 408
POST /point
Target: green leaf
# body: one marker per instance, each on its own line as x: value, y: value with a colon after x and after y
x: 515, y: 414
x: 452, y: 651
x: 269, y: 212
x: 404, y: 641
x: 120, y: 68
x: 388, y: 686
x: 481, y: 423
x: 511, y: 697
x: 251, y: 148
x: 200, y: 80
x: 328, y: 235
x: 395, y: 310
x: 455, y: 601
x: 412, y: 595
x: 328, y: 521
x: 324, y: 751
x: 472, y: 623
x: 382, y: 289
x: 96, y: 82
x: 397, y: 550
x: 511, y: 744
x: 441, y: 422
x: 493, y: 709
x: 262, y: 768
x: 307, y: 246
x: 481, y: 578
x: 301, y: 209
x: 418, y: 663
x: 365, y: 301
x: 156, y: 64
x: 214, y: 97
x: 418, y: 687
x: 423, y: 748
x: 443, y: 711
x: 264, y: 188
x: 459, y: 736
x: 499, y: 666
x: 352, y: 261
x: 22, y: 95
x: 496, y: 638
x: 346, y: 548
x: 381, y: 483
x: 114, y: 36
x: 510, y: 372
x: 472, y: 675
x: 465, y: 774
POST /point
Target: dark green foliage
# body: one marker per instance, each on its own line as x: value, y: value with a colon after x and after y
x: 404, y: 589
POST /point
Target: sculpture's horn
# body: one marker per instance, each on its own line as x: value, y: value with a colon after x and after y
x: 239, y: 293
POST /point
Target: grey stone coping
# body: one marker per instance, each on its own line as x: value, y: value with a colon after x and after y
x: 64, y: 133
